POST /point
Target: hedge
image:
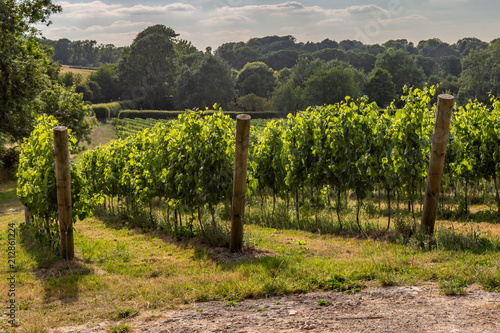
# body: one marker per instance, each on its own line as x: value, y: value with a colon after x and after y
x: 157, y: 114
x: 111, y: 110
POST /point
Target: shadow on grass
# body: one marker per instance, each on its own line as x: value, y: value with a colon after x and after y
x: 60, y: 278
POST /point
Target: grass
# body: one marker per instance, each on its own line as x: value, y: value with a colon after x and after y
x: 84, y: 72
x: 122, y: 272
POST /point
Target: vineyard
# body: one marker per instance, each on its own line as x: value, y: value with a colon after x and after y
x: 333, y: 203
x: 323, y: 158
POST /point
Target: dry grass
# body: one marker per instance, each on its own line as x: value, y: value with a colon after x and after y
x: 101, y: 135
x: 83, y: 72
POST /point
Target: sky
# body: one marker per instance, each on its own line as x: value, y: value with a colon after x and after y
x: 212, y: 23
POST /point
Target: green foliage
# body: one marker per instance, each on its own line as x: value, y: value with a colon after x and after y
x: 287, y: 97
x: 251, y: 102
x: 168, y: 115
x: 112, y: 110
x: 380, y: 88
x: 188, y: 162
x: 36, y: 185
x: 330, y: 86
x: 106, y: 82
x: 24, y: 65
x: 255, y: 78
x: 481, y: 74
x: 402, y: 67
x: 207, y: 81
x: 68, y: 108
x: 147, y: 69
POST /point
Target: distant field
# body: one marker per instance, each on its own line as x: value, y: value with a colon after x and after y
x: 84, y: 72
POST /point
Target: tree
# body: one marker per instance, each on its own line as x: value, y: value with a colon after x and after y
x: 157, y: 29
x: 402, y: 67
x: 287, y: 97
x: 68, y: 108
x: 481, y: 74
x: 23, y: 65
x: 380, y: 87
x: 435, y: 49
x: 106, y: 79
x: 256, y: 78
x: 282, y: 59
x: 207, y: 81
x: 251, y: 102
x: 330, y: 54
x: 62, y: 51
x: 465, y: 45
x: 329, y: 86
x: 362, y: 60
x: 428, y: 65
x: 400, y: 44
x: 147, y: 70
x: 451, y: 65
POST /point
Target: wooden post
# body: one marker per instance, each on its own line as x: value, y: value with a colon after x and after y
x: 436, y: 164
x: 240, y: 181
x: 63, y: 181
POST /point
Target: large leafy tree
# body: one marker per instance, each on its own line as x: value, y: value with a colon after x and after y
x: 106, y: 80
x: 27, y: 84
x: 380, y: 87
x: 402, y: 67
x: 256, y: 78
x: 331, y: 85
x: 207, y: 81
x: 481, y: 74
x: 148, y: 68
x: 23, y: 64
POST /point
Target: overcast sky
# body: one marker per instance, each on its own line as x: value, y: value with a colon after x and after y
x: 212, y: 23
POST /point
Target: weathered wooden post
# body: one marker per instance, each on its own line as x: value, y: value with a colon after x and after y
x: 63, y: 181
x: 436, y: 164
x: 240, y: 181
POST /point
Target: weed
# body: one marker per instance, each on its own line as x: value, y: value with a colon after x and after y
x: 124, y: 313
x: 453, y: 287
x: 389, y: 279
x: 232, y: 303
x: 322, y: 302
x: 491, y: 280
x: 340, y: 283
x: 119, y: 328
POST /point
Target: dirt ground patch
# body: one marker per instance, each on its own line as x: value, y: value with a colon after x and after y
x: 393, y: 309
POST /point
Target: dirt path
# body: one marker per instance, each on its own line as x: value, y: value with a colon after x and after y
x: 394, y: 309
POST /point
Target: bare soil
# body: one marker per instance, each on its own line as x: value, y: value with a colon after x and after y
x: 393, y: 309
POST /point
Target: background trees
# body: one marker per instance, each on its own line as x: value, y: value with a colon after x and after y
x: 207, y: 81
x: 402, y: 67
x: 481, y: 73
x: 28, y: 82
x: 255, y: 78
x: 147, y: 71
x: 262, y: 67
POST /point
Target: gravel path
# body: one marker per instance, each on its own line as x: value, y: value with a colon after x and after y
x: 394, y: 309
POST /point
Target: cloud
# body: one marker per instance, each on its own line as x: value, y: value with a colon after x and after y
x: 404, y: 19
x: 226, y: 20
x: 115, y: 26
x: 98, y: 9
x: 330, y: 22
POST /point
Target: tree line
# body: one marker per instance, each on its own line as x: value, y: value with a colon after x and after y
x: 159, y: 70
x: 84, y: 53
x: 162, y: 71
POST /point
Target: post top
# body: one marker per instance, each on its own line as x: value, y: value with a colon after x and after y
x: 243, y: 117
x: 60, y: 128
x: 446, y: 96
